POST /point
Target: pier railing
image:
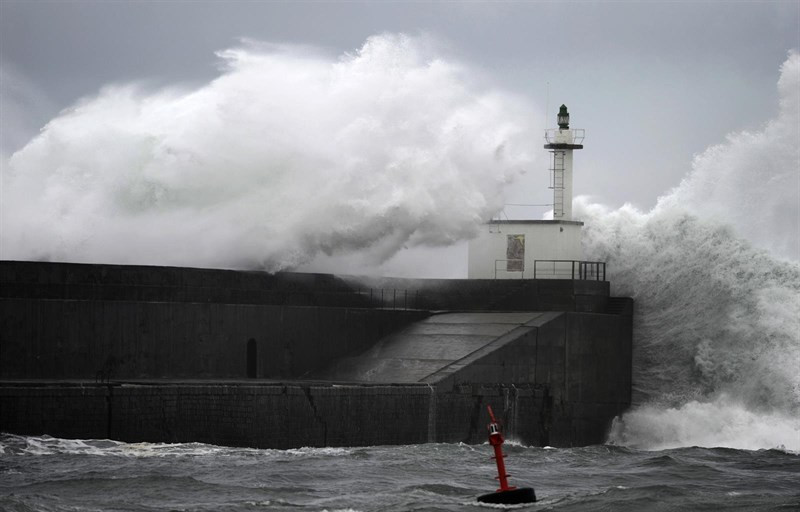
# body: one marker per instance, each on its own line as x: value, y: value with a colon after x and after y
x: 569, y: 269
x: 510, y: 266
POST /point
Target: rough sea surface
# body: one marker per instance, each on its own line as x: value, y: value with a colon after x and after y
x: 48, y: 474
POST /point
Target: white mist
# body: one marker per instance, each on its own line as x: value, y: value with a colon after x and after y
x: 286, y: 155
x: 714, y: 271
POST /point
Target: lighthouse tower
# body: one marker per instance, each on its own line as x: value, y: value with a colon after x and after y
x: 561, y: 142
x: 533, y: 248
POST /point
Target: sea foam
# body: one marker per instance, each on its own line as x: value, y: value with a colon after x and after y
x: 713, y: 270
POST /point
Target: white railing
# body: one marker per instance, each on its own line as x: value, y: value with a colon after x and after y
x: 576, y: 136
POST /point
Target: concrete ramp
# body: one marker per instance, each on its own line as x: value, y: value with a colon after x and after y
x: 428, y: 348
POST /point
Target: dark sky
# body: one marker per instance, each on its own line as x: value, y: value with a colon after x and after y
x: 652, y: 83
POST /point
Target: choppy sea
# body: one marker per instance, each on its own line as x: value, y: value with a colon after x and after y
x: 49, y: 474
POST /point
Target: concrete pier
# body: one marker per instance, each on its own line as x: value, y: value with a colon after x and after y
x: 253, y: 359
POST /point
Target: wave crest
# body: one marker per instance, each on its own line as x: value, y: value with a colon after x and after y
x: 289, y: 153
x: 714, y: 272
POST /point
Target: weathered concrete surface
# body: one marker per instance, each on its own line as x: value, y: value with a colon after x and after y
x: 426, y: 347
x: 578, y: 363
x: 77, y: 339
x: 495, y: 294
x: 75, y: 281
x: 557, y: 376
x: 137, y: 283
x: 269, y: 415
x: 510, y: 358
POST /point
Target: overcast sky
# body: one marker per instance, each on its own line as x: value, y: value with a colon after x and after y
x: 652, y: 83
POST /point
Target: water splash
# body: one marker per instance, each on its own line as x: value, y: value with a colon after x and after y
x: 48, y: 446
x: 717, y: 325
x: 722, y: 422
x: 286, y: 155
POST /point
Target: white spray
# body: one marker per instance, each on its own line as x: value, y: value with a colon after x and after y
x: 717, y: 324
x: 288, y: 154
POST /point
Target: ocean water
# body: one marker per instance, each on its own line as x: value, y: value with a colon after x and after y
x: 48, y: 474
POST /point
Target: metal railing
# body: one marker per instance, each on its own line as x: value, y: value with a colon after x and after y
x: 517, y: 266
x: 578, y: 134
x: 391, y: 298
x: 569, y: 269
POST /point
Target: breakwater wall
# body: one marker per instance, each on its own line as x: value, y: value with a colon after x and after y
x: 102, y: 340
x: 278, y: 415
x: 557, y: 380
x: 175, y: 355
x: 132, y: 283
x: 81, y: 321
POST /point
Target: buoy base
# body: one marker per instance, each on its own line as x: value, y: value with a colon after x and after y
x: 512, y: 497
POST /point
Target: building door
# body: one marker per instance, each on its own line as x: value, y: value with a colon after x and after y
x: 252, y: 359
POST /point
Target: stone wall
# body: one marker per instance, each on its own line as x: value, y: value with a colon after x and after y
x: 66, y: 339
x: 490, y: 294
x: 269, y: 415
x: 75, y: 281
x: 77, y: 411
x: 99, y: 282
x: 559, y: 381
x: 577, y: 365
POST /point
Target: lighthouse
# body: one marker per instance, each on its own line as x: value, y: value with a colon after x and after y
x: 533, y: 248
x: 562, y: 142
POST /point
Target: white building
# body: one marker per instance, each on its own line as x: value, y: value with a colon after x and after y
x: 524, y: 249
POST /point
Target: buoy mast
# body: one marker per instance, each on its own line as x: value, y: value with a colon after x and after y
x: 496, y: 440
x: 506, y: 494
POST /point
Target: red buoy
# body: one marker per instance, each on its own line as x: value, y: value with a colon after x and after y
x: 505, y: 494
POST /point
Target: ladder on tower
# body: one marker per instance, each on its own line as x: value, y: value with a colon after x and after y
x: 557, y: 183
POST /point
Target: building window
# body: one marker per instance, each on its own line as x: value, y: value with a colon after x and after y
x: 515, y: 253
